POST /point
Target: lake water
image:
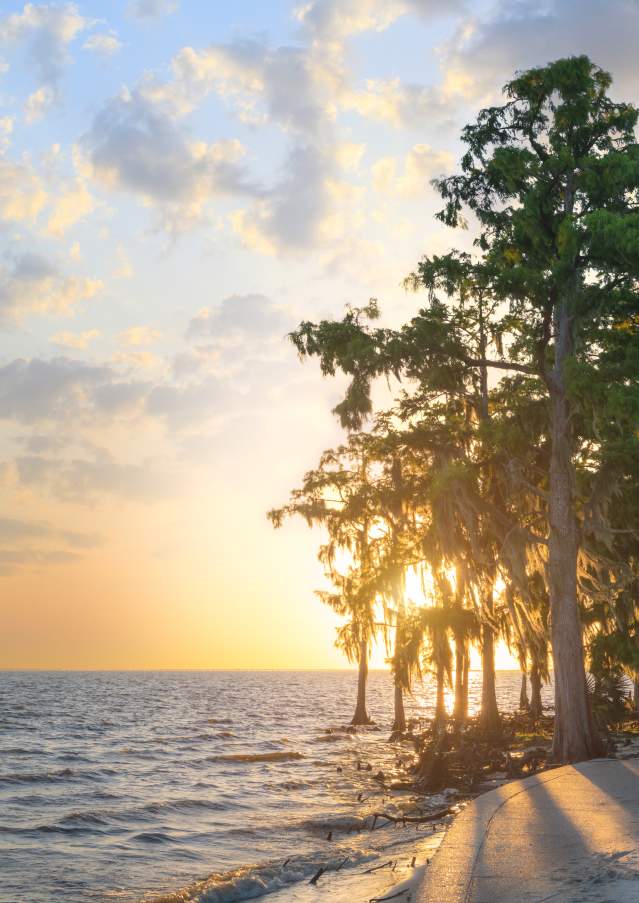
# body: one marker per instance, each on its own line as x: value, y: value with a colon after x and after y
x: 129, y: 785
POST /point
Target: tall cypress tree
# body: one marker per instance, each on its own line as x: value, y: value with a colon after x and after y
x: 552, y: 179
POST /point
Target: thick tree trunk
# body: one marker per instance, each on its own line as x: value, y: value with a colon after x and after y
x: 440, y: 705
x: 524, y: 705
x: 399, y: 724
x: 575, y: 737
x: 361, y: 716
x: 489, y: 718
x: 536, y: 709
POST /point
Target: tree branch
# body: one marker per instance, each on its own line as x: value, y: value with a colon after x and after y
x: 502, y: 365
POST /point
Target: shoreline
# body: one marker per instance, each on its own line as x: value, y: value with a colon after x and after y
x: 577, y: 840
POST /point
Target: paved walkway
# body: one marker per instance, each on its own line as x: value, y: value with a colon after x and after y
x: 569, y: 835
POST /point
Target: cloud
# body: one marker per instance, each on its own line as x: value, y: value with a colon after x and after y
x: 105, y: 45
x: 33, y: 284
x: 13, y: 531
x: 22, y: 194
x: 81, y: 479
x: 410, y: 177
x: 16, y: 561
x: 135, y: 145
x: 240, y: 318
x: 6, y: 130
x: 33, y: 545
x: 139, y: 335
x: 396, y: 103
x: 46, y: 30
x: 124, y: 268
x: 292, y: 86
x: 76, y: 340
x: 73, y: 204
x: 309, y: 207
x: 38, y: 390
x: 292, y: 215
x: 338, y: 19
x: 485, y: 52
x: 145, y: 359
x: 38, y: 103
x: 151, y: 9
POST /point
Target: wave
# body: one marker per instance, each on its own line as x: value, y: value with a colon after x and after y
x: 36, y: 776
x: 257, y: 757
x: 332, y: 738
x: 248, y: 882
x: 180, y: 805
x: 344, y: 823
x: 153, y: 837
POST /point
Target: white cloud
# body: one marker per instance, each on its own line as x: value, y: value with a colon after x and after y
x: 47, y: 30
x: 135, y: 336
x: 410, y: 177
x: 151, y: 9
x: 38, y: 103
x: 81, y: 479
x: 75, y: 340
x: 105, y: 45
x: 124, y: 267
x: 32, y: 284
x: 74, y: 203
x: 239, y: 319
x: 39, y: 390
x: 338, y: 19
x: 22, y: 194
x: 486, y: 51
x: 6, y: 130
x: 136, y: 146
x: 396, y: 103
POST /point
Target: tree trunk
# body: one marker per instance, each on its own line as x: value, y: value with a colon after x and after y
x: 524, y: 705
x: 465, y: 685
x: 575, y: 737
x: 399, y: 724
x: 535, y: 693
x: 460, y: 655
x: 440, y: 705
x: 489, y: 718
x: 361, y: 716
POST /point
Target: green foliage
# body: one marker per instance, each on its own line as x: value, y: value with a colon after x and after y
x: 546, y: 308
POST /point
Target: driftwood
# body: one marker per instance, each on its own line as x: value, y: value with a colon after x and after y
x: 318, y: 874
x: 376, y: 868
x: 410, y: 819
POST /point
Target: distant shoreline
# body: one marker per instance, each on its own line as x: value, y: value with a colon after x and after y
x: 215, y: 670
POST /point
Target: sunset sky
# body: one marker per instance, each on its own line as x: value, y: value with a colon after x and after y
x: 182, y: 181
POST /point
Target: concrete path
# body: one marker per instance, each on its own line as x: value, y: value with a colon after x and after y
x: 570, y: 835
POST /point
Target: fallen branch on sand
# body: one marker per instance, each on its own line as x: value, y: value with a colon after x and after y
x: 376, y: 868
x: 410, y: 819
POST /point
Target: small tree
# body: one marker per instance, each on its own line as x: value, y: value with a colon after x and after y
x: 337, y: 495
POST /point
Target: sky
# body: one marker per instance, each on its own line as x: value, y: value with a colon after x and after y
x: 181, y: 183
